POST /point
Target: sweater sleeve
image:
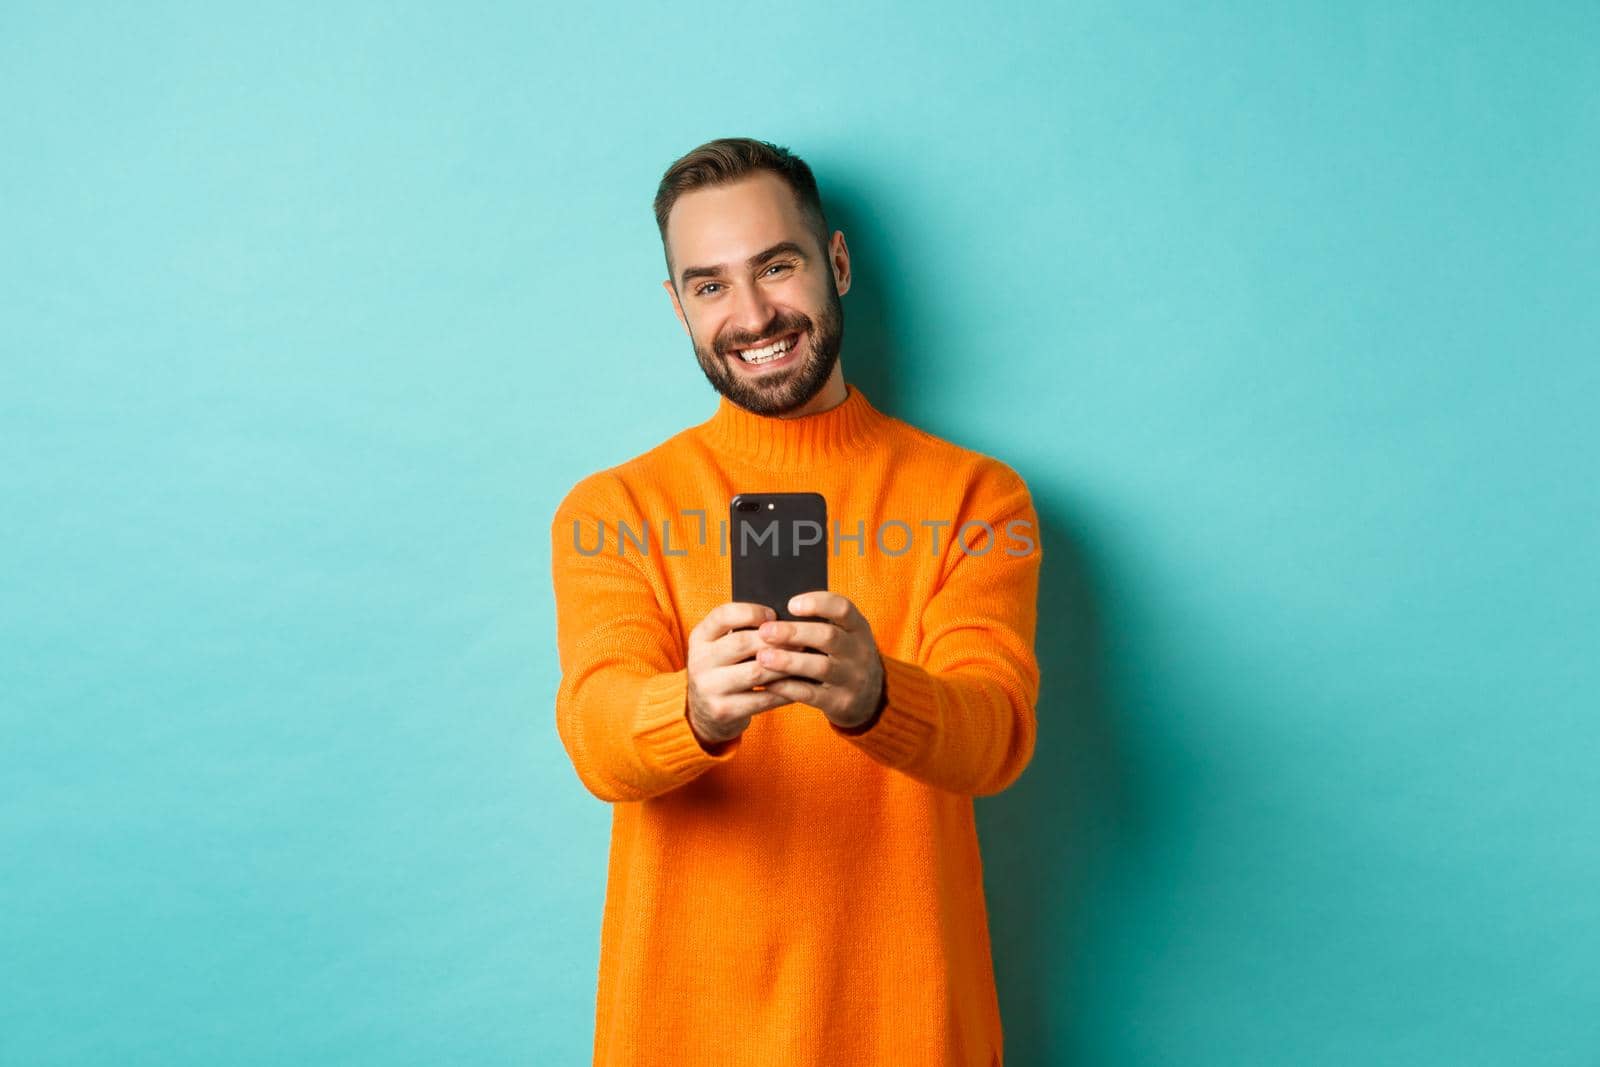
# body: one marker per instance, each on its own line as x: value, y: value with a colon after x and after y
x: 962, y: 717
x: 621, y: 707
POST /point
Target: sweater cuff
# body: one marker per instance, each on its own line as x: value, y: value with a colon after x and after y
x: 662, y: 736
x: 906, y: 725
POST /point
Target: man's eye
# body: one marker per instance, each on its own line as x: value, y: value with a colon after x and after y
x: 708, y: 285
x: 779, y: 266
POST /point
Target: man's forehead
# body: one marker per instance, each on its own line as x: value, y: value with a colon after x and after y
x: 723, y: 224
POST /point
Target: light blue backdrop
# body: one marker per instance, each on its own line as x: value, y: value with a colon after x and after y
x: 1286, y: 312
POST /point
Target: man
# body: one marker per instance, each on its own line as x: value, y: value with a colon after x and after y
x: 794, y: 876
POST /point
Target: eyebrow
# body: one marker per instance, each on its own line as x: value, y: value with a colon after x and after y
x: 779, y: 249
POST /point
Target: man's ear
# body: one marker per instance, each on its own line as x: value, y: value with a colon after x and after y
x: 839, y: 261
x: 677, y: 307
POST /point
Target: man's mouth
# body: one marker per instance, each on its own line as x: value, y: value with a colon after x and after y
x: 778, y: 350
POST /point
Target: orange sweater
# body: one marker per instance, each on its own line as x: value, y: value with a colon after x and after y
x: 804, y: 896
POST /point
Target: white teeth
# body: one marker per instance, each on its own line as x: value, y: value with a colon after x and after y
x: 767, y: 354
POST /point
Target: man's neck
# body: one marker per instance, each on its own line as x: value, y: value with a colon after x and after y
x: 831, y: 395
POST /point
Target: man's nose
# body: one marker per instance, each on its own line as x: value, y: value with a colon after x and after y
x: 752, y: 310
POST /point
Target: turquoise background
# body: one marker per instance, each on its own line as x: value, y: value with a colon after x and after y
x: 1287, y: 313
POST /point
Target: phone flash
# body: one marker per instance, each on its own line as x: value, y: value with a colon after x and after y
x: 770, y: 505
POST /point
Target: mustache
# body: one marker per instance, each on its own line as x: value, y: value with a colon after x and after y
x: 784, y: 324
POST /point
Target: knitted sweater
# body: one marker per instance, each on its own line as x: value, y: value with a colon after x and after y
x: 801, y: 895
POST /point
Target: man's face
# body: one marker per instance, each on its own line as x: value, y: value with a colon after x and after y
x: 748, y: 274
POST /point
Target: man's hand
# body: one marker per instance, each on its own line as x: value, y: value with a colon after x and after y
x: 722, y: 670
x: 843, y: 677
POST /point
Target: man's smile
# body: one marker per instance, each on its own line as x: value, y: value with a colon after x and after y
x: 777, y: 352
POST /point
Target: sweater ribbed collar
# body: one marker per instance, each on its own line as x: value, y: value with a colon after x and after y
x: 777, y: 443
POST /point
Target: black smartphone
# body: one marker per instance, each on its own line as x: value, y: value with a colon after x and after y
x: 779, y: 546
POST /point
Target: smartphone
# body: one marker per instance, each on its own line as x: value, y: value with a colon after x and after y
x: 779, y: 546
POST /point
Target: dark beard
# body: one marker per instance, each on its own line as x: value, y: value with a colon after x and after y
x: 790, y: 389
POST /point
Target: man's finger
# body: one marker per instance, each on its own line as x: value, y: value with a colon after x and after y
x: 737, y: 678
x: 733, y: 615
x: 797, y: 690
x: 831, y: 606
x: 822, y: 636
x: 744, y: 705
x: 799, y: 664
x: 736, y: 646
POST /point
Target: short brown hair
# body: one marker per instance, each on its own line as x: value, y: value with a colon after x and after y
x: 728, y: 159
